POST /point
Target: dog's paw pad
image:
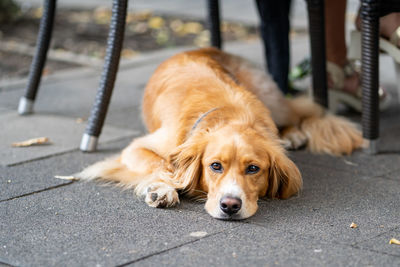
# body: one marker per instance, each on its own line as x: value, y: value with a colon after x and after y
x: 161, y: 196
x: 154, y: 196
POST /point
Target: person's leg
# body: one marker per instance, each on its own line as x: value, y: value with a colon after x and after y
x: 274, y: 17
x: 336, y: 51
x: 387, y: 24
x: 335, y: 11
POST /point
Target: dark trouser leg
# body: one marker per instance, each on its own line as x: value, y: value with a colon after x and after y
x: 316, y: 20
x: 275, y: 26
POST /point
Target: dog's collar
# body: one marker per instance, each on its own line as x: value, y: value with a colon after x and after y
x: 201, y: 118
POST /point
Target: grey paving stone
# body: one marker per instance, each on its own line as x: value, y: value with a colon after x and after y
x: 84, y: 224
x: 39, y: 175
x: 360, y: 163
x: 250, y: 245
x: 66, y: 74
x: 394, y: 175
x: 330, y: 202
x: 390, y: 131
x: 74, y: 97
x: 381, y: 243
x: 64, y: 133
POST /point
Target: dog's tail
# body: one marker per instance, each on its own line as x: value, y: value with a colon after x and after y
x: 108, y: 170
x: 326, y: 133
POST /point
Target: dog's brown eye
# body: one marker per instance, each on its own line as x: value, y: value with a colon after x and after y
x: 252, y: 169
x: 216, y: 166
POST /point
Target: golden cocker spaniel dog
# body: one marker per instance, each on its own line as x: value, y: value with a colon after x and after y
x: 218, y: 128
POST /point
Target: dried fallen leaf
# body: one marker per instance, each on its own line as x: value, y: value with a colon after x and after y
x: 162, y: 37
x: 394, y: 241
x: 156, y: 22
x: 38, y: 12
x: 31, y: 142
x: 203, y: 39
x: 46, y: 71
x: 192, y: 27
x: 198, y: 234
x: 353, y: 225
x: 79, y: 120
x: 176, y: 25
x: 69, y: 178
x: 139, y: 27
x: 350, y: 163
x: 102, y: 15
x: 128, y: 53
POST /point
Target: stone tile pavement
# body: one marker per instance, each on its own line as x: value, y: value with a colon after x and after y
x: 50, y: 222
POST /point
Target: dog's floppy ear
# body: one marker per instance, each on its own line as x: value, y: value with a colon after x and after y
x: 186, y: 161
x: 284, y: 177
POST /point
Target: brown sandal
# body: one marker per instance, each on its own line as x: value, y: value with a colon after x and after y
x: 337, y: 95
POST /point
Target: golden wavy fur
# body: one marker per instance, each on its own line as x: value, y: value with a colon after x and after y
x: 234, y: 153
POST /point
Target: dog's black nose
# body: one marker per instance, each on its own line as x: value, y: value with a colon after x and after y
x: 230, y: 205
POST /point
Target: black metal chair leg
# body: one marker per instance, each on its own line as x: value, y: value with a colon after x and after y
x: 316, y: 20
x: 370, y: 72
x: 114, y: 46
x: 35, y: 73
x: 214, y: 23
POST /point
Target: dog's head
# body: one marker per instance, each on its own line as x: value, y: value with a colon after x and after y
x: 234, y: 166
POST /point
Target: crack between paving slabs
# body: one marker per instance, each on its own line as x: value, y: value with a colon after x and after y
x: 172, y: 248
x: 18, y: 84
x: 45, y: 157
x: 2, y: 262
x: 381, y: 175
x: 38, y: 191
x: 376, y: 251
x: 354, y: 245
x: 378, y: 235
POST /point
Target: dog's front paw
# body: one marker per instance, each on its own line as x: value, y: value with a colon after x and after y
x: 161, y: 195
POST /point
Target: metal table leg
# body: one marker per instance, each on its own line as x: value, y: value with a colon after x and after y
x: 316, y: 19
x: 44, y: 36
x: 370, y: 72
x: 214, y: 22
x: 114, y: 46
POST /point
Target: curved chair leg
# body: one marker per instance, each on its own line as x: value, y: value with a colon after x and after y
x: 316, y: 19
x: 214, y: 23
x: 370, y: 72
x: 44, y: 36
x: 114, y: 46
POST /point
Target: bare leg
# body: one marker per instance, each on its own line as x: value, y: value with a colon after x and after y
x: 387, y: 24
x: 336, y: 51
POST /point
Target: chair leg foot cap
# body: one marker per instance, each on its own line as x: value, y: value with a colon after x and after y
x: 372, y: 148
x: 25, y: 106
x: 88, y: 143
